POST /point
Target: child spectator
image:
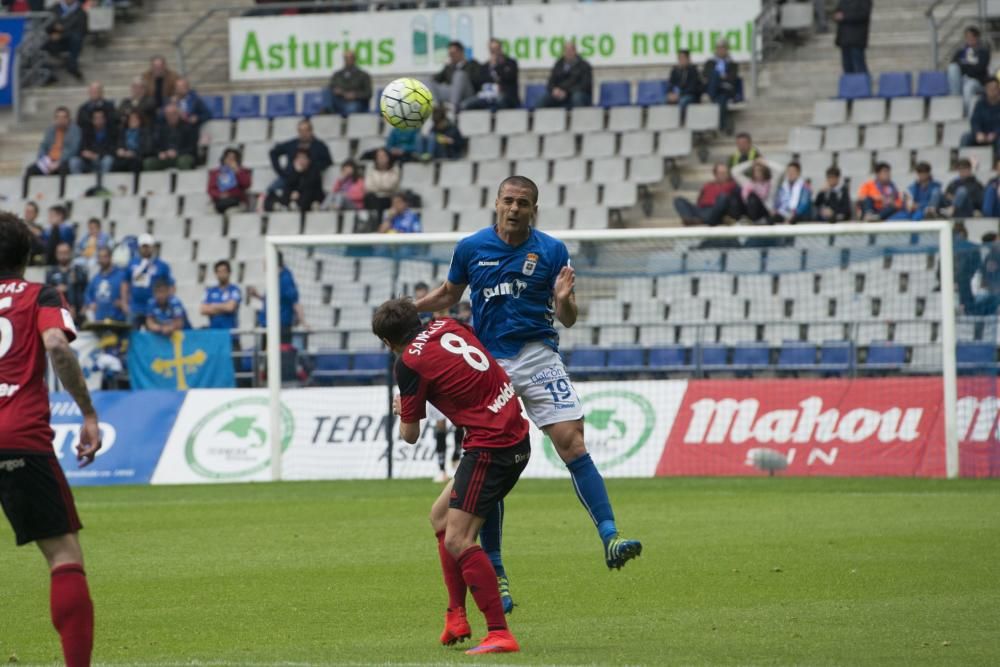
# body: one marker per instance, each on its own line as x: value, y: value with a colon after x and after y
x: 833, y: 203
x: 93, y: 240
x: 134, y: 144
x: 229, y: 182
x: 400, y: 219
x: 879, y: 198
x: 756, y: 190
x: 444, y: 141
x: 964, y: 195
x: 302, y: 186
x: 165, y: 313
x: 923, y: 197
x: 793, y: 200
x: 348, y: 193
x: 381, y: 182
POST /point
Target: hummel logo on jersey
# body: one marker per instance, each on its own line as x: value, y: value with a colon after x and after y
x: 513, y: 289
x: 495, y: 262
x: 502, y: 399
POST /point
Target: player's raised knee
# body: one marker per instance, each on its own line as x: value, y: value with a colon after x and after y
x: 567, y: 438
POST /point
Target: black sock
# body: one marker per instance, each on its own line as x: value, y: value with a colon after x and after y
x: 441, y: 437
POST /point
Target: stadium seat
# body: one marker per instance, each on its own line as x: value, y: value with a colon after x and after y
x: 85, y: 208
x: 362, y: 125
x: 549, y: 121
x: 485, y: 147
x: 944, y: 109
x: 45, y: 189
x: 569, y: 171
x: 244, y: 105
x: 668, y: 358
x: 588, y: 360
x: 835, y: 357
x: 312, y: 102
x: 615, y: 94
x: 895, y: 84
x: 642, y: 170
x: 883, y: 135
x: 536, y: 170
x: 475, y: 122
x: 933, y: 84
x: 802, y: 139
x: 750, y: 357
x: 867, y: 112
x: 533, y: 94
x: 216, y: 104
x: 841, y: 137
x: 491, y: 172
x: 794, y: 356
x: 591, y: 217
x: 634, y: 144
x: 586, y: 119
x: 558, y: 218
x: 952, y: 132
x: 625, y: 119
x: 370, y: 364
x: 663, y: 117
x: 598, y: 144
x: 650, y: 93
x: 672, y: 144
x: 829, y: 112
x: 917, y: 135
x: 854, y: 86
x: 883, y: 355
x: 561, y: 145
x: 77, y: 185
x: 702, y: 117
x: 906, y: 109
x: 326, y: 126
x: 981, y: 357
x: 331, y: 364
x: 510, y: 121
x: 455, y: 172
x: 712, y: 357
x: 620, y: 195
x: 628, y: 358
x: 523, y: 146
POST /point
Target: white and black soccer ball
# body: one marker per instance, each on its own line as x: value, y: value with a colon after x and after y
x: 406, y: 103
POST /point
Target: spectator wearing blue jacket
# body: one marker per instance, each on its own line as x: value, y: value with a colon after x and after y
x: 991, y: 195
x: 403, y: 145
x: 400, y: 218
x: 193, y: 109
x: 923, y: 197
x: 222, y: 302
x: 289, y: 308
x: 985, y: 120
x: 793, y: 199
x: 107, y: 292
x: 143, y: 272
x: 165, y: 313
x: 93, y: 240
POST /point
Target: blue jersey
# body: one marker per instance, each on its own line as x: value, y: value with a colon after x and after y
x: 511, y: 287
x: 103, y: 290
x: 142, y: 273
x: 168, y: 312
x: 222, y: 295
x: 288, y: 297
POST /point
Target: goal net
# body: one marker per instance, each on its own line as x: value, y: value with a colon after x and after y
x: 806, y: 350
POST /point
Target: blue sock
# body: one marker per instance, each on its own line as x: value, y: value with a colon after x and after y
x: 593, y: 494
x: 491, y: 536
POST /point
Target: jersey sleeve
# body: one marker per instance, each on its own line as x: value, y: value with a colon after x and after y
x: 458, y: 273
x: 559, y: 260
x: 412, y: 393
x: 53, y: 313
x: 236, y: 295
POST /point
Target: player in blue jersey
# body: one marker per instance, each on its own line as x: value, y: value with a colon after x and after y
x: 107, y: 293
x: 142, y: 272
x: 165, y: 313
x: 222, y: 302
x: 521, y: 280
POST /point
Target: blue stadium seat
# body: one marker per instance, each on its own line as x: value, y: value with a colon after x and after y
x: 669, y: 358
x: 834, y: 357
x: 895, y: 84
x: 854, y: 86
x: 794, y: 356
x: 588, y: 359
x: 370, y: 364
x: 244, y: 105
x: 885, y: 356
x: 933, y: 84
x: 751, y: 356
x: 216, y: 104
x: 312, y: 102
x: 377, y: 101
x: 626, y: 358
x: 615, y: 94
x: 533, y: 94
x: 331, y: 365
x: 713, y: 357
x: 280, y: 104
x: 978, y: 357
x: 650, y: 93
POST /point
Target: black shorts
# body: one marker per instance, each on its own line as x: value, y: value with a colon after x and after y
x: 484, y: 476
x: 35, y: 497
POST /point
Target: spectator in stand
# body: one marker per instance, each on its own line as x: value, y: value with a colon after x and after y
x: 571, y: 81
x: 142, y: 272
x: 756, y: 190
x: 192, y: 108
x: 381, y: 182
x: 964, y: 195
x: 722, y: 81
x: 879, y: 198
x: 793, y: 200
x: 66, y: 33
x: 93, y: 240
x: 301, y: 188
x: 175, y: 143
x: 718, y: 198
x: 403, y: 145
x: 60, y: 142
x: 58, y: 232
x: 985, y: 121
x: 923, y: 198
x: 222, y: 302
x: 107, y: 293
x: 991, y: 195
x: 348, y: 193
x: 499, y: 89
x: 745, y: 150
x: 139, y: 101
x: 969, y: 68
x: 289, y: 307
x: 165, y: 313
x: 833, y: 203
x: 229, y: 183
x: 37, y: 232
x: 457, y: 81
x: 95, y: 102
x: 98, y: 147
x: 400, y: 218
x: 968, y: 261
x: 134, y: 143
x: 319, y: 153
x: 68, y: 278
x: 349, y: 90
x: 684, y: 86
x: 443, y: 141
x: 160, y: 81
x: 988, y: 300
x: 853, y: 18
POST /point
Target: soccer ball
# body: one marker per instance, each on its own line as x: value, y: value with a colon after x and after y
x: 406, y: 104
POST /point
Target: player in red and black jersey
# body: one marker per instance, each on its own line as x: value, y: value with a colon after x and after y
x: 444, y: 363
x: 34, y: 319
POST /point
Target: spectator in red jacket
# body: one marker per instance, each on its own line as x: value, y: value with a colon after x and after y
x: 718, y: 198
x: 348, y: 193
x: 228, y: 183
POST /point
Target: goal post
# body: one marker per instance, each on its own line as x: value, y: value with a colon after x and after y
x: 611, y: 259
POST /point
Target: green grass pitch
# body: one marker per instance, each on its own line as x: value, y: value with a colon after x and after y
x: 734, y: 572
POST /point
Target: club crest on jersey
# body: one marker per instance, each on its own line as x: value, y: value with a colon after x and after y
x: 530, y: 262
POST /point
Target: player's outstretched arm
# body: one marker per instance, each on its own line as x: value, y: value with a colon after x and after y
x: 565, y: 297
x: 443, y: 297
x: 66, y: 366
x: 410, y: 432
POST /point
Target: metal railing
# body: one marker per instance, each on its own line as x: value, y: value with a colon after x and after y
x: 31, y: 65
x: 947, y: 23
x: 765, y: 28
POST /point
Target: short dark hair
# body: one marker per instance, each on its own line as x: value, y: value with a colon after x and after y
x: 222, y: 262
x: 61, y: 210
x: 684, y: 52
x: 744, y: 135
x: 456, y: 45
x: 97, y: 220
x: 521, y: 181
x: 989, y: 237
x: 421, y: 285
x: 879, y: 166
x: 303, y: 151
x: 991, y: 82
x: 833, y: 171
x: 62, y: 108
x: 922, y: 168
x: 161, y: 282
x: 795, y: 164
x: 973, y: 30
x: 231, y: 150
x: 15, y: 243
x: 396, y: 321
x: 35, y: 206
x: 963, y: 163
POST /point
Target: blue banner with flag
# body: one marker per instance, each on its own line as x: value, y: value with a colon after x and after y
x: 11, y: 32
x: 189, y: 359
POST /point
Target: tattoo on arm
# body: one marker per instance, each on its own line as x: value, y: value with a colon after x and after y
x: 67, y: 367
